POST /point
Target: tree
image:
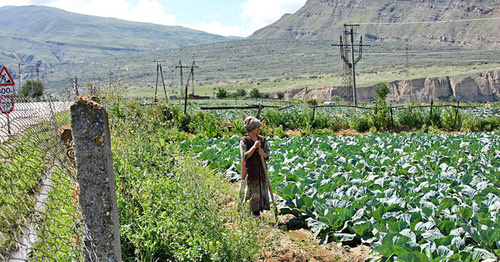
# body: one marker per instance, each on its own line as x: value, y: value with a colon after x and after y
x: 240, y: 93
x: 32, y: 88
x: 221, y: 93
x: 381, y: 92
x: 381, y: 118
x: 280, y: 95
x: 254, y: 93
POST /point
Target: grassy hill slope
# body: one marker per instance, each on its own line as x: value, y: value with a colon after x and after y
x: 49, y: 36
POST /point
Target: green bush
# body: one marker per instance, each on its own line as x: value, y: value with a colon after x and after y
x: 254, y: 93
x: 451, y: 120
x: 477, y: 124
x: 287, y: 119
x: 380, y: 117
x: 322, y: 121
x: 221, y: 93
x: 361, y: 123
x: 205, y: 125
x: 434, y: 119
x: 339, y: 123
x: 411, y: 118
x: 240, y: 93
x: 32, y: 88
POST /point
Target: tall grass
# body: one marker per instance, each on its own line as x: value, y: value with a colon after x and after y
x: 172, y: 208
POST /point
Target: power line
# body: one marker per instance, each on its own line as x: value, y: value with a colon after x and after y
x: 433, y: 53
x: 433, y: 22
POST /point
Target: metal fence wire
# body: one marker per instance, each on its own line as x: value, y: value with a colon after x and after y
x: 40, y: 218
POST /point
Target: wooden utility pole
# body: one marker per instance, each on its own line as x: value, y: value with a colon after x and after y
x: 351, y: 63
x: 20, y: 79
x: 180, y: 66
x: 109, y: 77
x: 159, y: 71
x: 191, y: 76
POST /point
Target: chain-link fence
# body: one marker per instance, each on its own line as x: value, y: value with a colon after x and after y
x: 40, y: 218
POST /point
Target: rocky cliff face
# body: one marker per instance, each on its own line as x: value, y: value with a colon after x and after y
x: 484, y: 87
x: 464, y: 22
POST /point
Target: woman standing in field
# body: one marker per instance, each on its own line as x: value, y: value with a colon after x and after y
x: 252, y: 147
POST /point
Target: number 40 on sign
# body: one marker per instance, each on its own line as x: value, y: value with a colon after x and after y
x: 6, y: 104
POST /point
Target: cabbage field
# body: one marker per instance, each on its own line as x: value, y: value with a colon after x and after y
x: 411, y: 197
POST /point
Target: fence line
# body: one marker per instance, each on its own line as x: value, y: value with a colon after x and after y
x: 40, y: 218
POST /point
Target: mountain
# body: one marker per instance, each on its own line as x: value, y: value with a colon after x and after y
x: 46, y: 35
x: 100, y: 51
x: 470, y: 22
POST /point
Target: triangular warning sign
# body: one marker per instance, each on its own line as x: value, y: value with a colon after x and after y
x: 5, y: 78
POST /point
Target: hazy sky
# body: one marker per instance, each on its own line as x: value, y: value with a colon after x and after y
x: 223, y: 17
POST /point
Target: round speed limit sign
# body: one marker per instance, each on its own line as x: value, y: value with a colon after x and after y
x: 6, y: 104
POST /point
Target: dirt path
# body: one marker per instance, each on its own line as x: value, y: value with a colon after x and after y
x: 299, y: 245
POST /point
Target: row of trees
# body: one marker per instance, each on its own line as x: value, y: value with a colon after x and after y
x: 254, y: 93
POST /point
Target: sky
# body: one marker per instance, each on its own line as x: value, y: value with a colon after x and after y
x: 222, y: 17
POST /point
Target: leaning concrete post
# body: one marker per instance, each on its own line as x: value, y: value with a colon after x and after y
x: 95, y: 176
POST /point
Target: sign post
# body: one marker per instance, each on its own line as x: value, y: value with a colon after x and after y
x: 6, y: 106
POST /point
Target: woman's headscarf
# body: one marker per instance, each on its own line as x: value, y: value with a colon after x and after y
x: 251, y: 123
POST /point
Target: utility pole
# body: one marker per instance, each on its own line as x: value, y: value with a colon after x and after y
x: 159, y: 70
x: 20, y: 79
x: 109, y: 77
x: 351, y: 63
x: 180, y: 66
x: 191, y: 76
x: 37, y: 73
x: 31, y: 76
x: 408, y: 72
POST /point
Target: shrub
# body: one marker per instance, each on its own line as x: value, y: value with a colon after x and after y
x: 254, y: 93
x: 287, y: 119
x: 434, y: 119
x: 32, y: 88
x: 322, y: 121
x: 221, y: 93
x: 411, y: 118
x: 361, y: 123
x: 477, y: 124
x: 381, y: 118
x: 451, y: 119
x: 241, y: 93
x: 205, y: 125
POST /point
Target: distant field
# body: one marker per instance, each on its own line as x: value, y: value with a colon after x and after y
x: 270, y: 65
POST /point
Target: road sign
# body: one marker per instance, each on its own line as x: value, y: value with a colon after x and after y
x: 6, y: 104
x: 5, y: 78
x: 6, y: 83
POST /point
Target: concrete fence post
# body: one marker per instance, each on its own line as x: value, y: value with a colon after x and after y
x: 94, y: 163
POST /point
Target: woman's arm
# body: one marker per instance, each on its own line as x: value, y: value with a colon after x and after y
x: 245, y: 154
